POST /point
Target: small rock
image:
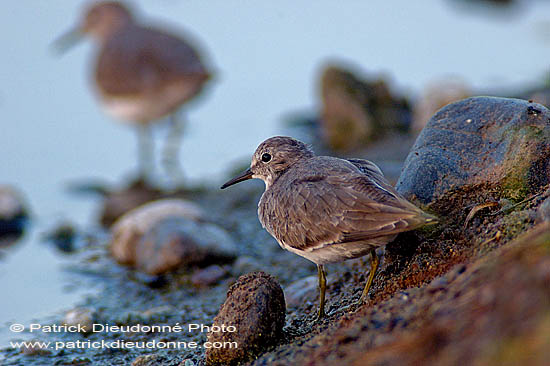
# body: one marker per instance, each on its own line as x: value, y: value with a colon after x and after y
x: 148, y: 360
x: 187, y: 363
x: 175, y: 242
x: 12, y: 211
x: 165, y: 234
x: 208, y: 276
x: 480, y: 143
x: 63, y: 237
x: 80, y: 317
x: 255, y: 306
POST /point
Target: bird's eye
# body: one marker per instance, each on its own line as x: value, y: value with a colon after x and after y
x: 266, y: 157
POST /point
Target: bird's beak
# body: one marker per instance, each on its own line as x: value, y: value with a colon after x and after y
x: 247, y: 174
x: 67, y: 40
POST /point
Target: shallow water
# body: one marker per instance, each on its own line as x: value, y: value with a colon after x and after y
x: 268, y: 56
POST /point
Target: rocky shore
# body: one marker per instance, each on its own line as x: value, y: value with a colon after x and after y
x: 473, y: 289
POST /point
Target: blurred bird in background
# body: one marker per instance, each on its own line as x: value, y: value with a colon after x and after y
x: 142, y: 74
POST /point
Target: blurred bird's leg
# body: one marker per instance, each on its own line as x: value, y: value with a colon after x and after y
x: 322, y: 289
x: 374, y: 261
x: 145, y: 151
x: 170, y: 155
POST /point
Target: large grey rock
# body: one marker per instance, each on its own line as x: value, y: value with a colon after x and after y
x: 255, y: 307
x: 163, y: 235
x: 481, y: 143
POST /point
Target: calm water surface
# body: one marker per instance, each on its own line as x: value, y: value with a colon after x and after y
x: 268, y: 55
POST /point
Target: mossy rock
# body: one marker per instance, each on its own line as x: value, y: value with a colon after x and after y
x: 500, y: 143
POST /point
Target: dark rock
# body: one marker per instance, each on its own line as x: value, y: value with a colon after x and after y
x: 480, y: 143
x: 13, y: 214
x: 255, y: 306
x: 63, y: 236
x: 355, y: 111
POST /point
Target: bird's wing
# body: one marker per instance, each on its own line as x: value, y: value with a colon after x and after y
x: 371, y: 170
x: 317, y: 211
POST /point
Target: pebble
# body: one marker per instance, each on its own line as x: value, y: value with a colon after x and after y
x: 82, y: 317
x: 147, y: 360
x: 12, y: 211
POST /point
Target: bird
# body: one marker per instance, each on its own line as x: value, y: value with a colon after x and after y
x: 327, y: 209
x: 142, y: 74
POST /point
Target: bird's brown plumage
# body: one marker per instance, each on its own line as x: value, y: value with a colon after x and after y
x: 327, y: 209
x: 324, y: 201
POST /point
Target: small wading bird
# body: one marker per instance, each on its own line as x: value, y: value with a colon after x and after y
x: 327, y: 209
x: 142, y: 74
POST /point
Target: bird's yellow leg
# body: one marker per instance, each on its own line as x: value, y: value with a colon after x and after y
x: 374, y: 261
x: 322, y: 289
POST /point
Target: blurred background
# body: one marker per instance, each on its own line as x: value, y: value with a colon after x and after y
x: 268, y: 58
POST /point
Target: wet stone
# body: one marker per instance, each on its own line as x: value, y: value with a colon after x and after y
x: 175, y: 242
x: 12, y: 211
x: 163, y: 235
x: 81, y: 318
x: 481, y: 142
x: 255, y: 306
x: 129, y: 228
